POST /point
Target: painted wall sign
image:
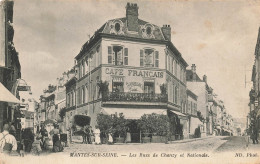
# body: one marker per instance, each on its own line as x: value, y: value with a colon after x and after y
x: 134, y: 86
x: 134, y: 72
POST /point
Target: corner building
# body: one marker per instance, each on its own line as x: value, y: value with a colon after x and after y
x: 143, y: 70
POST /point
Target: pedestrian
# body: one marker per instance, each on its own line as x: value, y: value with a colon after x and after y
x: 36, y: 146
x: 55, y: 135
x: 97, y: 135
x: 128, y: 135
x: 8, y: 142
x: 253, y: 134
x: 84, y: 134
x: 88, y: 137
x: 44, y: 133
x: 27, y: 138
x: 91, y: 134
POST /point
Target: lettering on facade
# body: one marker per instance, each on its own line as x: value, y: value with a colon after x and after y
x: 132, y: 72
x: 134, y: 86
x: 118, y: 72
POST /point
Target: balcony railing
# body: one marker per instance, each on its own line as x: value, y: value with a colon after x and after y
x: 134, y: 97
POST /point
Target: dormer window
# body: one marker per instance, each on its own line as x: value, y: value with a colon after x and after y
x: 148, y: 30
x: 117, y: 27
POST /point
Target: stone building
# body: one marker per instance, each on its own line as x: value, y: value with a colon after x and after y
x: 53, y: 101
x: 10, y: 69
x: 200, y: 88
x: 194, y: 121
x: 128, y: 66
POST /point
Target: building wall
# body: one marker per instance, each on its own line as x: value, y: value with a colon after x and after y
x: 2, y: 35
x: 133, y: 51
x: 199, y: 88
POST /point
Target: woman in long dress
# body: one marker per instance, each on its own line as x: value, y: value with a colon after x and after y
x: 97, y: 135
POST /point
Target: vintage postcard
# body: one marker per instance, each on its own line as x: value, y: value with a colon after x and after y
x: 129, y: 81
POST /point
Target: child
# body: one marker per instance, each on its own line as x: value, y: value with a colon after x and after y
x: 36, y: 146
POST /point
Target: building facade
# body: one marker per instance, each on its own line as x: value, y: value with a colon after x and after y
x: 254, y: 112
x: 128, y: 66
x: 10, y: 69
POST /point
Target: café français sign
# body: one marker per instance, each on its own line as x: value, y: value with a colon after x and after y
x: 134, y: 72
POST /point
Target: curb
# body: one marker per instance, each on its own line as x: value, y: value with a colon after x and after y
x: 190, y: 140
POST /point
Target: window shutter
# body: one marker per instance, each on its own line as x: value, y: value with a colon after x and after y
x: 156, y: 59
x: 141, y: 58
x: 126, y: 56
x: 109, y: 55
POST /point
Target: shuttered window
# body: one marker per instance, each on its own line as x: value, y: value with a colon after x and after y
x: 126, y: 56
x: 109, y: 55
x: 156, y: 59
x: 141, y: 58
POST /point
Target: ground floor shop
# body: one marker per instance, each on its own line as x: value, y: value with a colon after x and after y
x: 178, y: 125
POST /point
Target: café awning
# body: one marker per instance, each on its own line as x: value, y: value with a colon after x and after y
x: 132, y: 113
x: 178, y: 113
x: 7, y: 96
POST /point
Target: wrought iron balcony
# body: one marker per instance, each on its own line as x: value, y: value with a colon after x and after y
x: 134, y: 97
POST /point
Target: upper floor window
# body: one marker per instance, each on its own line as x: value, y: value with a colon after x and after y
x: 117, y: 55
x: 149, y: 58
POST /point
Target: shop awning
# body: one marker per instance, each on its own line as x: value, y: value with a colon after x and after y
x: 178, y: 113
x: 7, y: 96
x: 132, y: 113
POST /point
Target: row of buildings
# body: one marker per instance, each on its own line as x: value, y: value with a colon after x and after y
x: 130, y: 66
x: 253, y: 122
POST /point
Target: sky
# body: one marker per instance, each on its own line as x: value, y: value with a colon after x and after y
x: 218, y: 36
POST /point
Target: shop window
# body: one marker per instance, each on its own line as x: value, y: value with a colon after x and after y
x: 118, y: 87
x: 148, y: 87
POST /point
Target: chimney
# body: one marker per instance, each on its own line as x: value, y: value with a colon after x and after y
x: 132, y: 16
x: 205, y: 78
x: 193, y: 69
x: 166, y: 30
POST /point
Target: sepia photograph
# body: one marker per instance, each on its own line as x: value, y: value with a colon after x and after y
x: 129, y: 81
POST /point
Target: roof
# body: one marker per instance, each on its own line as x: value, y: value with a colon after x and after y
x: 189, y: 74
x: 107, y: 31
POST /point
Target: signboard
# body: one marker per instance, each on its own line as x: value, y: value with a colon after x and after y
x: 24, y: 88
x: 134, y: 72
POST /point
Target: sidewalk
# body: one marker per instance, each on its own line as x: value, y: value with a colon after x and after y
x: 194, y: 139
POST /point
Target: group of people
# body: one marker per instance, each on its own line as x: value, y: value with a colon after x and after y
x: 12, y: 143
